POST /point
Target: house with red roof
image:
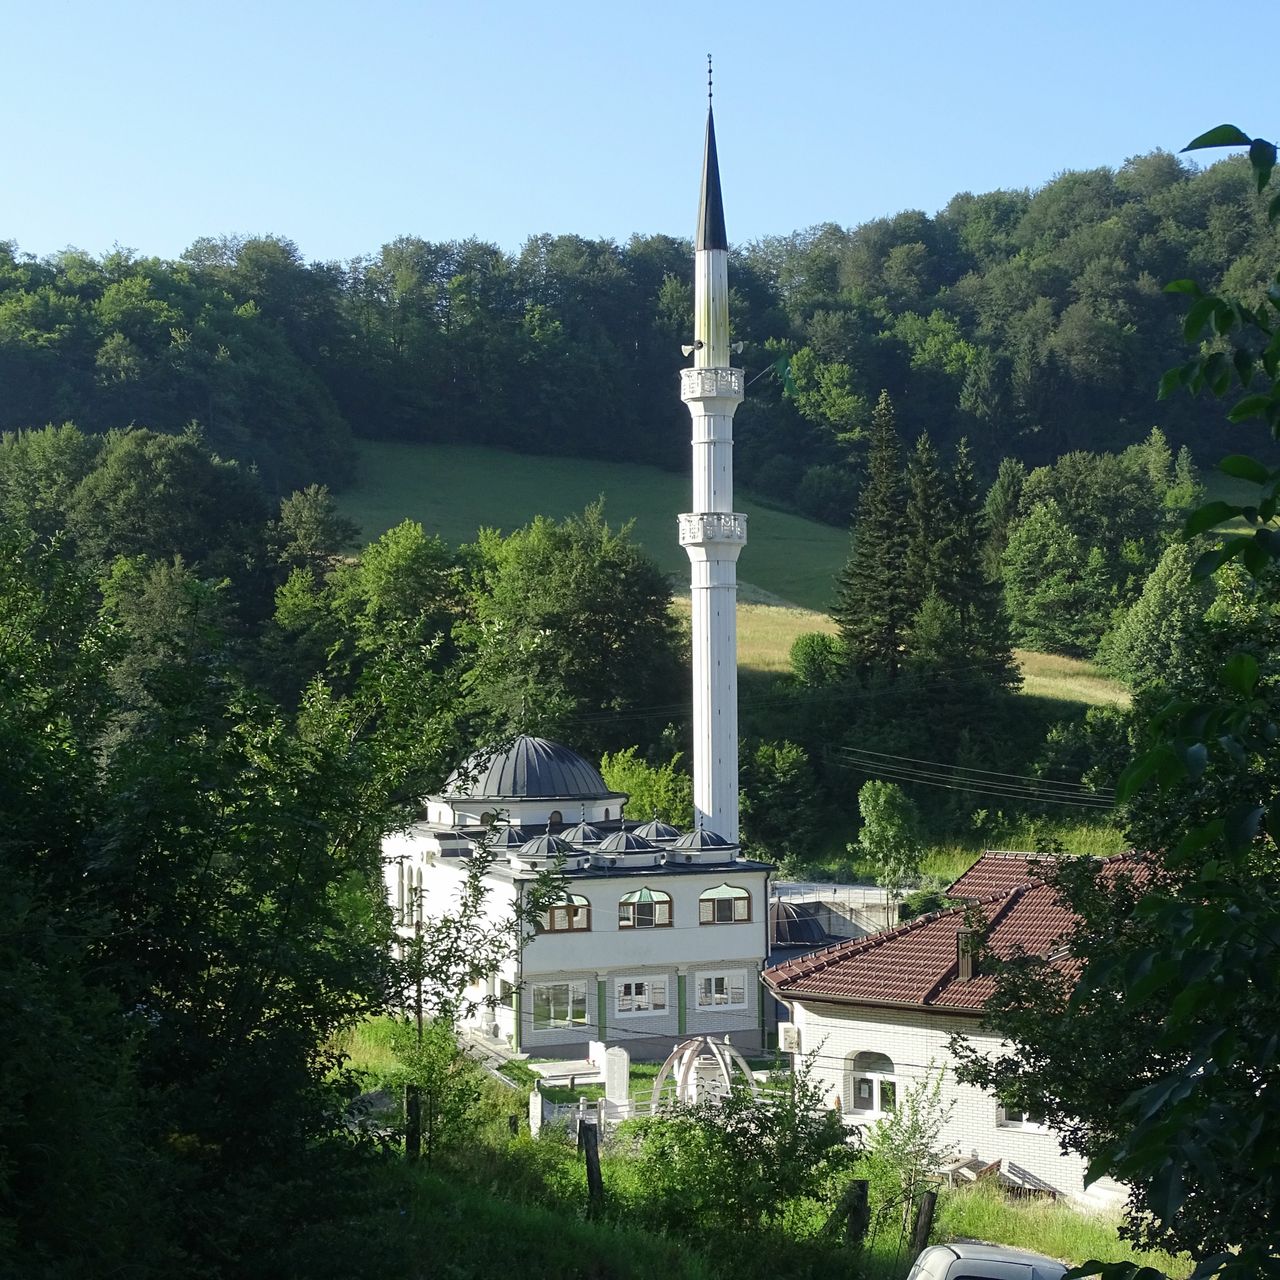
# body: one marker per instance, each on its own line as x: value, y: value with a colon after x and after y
x: 875, y: 1015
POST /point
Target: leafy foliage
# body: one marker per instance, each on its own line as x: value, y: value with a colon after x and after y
x: 1156, y: 639
x: 816, y: 658
x: 780, y: 802
x: 569, y: 632
x: 734, y: 1162
x: 891, y: 836
x: 904, y: 1149
x: 664, y: 791
x: 1176, y: 1002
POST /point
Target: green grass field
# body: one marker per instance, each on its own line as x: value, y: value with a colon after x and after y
x: 454, y: 490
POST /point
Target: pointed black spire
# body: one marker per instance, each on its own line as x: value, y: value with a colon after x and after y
x: 711, y: 206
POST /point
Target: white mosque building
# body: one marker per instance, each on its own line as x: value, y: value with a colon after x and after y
x: 659, y: 934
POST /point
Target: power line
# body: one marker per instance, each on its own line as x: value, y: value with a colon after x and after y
x: 948, y: 776
x: 923, y: 778
x: 993, y: 773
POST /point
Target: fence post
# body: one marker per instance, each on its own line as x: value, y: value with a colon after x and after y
x: 589, y: 1136
x: 858, y: 1210
x: 431, y: 1125
x: 924, y: 1223
x: 412, y: 1122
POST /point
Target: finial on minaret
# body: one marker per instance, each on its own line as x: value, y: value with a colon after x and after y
x: 708, y: 79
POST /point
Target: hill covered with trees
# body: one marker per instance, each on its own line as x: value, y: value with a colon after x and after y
x: 1034, y: 323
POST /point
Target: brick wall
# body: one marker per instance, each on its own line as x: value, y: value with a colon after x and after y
x: 917, y: 1041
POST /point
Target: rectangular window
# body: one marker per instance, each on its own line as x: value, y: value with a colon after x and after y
x: 724, y: 910
x: 640, y: 995
x: 1015, y: 1119
x: 723, y: 990
x: 559, y: 1004
x: 569, y: 917
x: 644, y: 915
x: 872, y: 1095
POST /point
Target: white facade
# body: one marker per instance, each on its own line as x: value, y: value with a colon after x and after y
x: 866, y: 1058
x: 687, y: 962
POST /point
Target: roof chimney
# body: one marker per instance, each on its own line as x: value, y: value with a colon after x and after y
x: 967, y: 943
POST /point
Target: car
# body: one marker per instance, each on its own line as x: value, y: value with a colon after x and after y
x: 966, y: 1260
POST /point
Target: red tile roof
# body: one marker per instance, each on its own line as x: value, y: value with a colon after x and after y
x: 998, y: 873
x: 916, y: 963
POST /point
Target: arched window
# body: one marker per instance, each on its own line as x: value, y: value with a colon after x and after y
x: 555, y: 819
x: 725, y: 904
x: 573, y: 915
x: 644, y: 909
x: 870, y: 1088
x: 419, y: 912
x: 400, y: 892
x: 606, y: 815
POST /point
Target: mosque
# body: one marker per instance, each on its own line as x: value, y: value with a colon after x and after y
x: 660, y: 934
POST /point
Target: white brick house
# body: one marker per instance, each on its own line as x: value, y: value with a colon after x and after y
x: 877, y: 1014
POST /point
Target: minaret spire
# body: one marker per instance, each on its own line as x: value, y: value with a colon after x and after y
x: 713, y: 533
x: 711, y: 204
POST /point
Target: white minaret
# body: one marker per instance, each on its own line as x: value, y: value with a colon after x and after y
x: 713, y: 533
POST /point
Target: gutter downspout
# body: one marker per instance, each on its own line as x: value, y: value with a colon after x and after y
x: 517, y: 995
x: 764, y: 991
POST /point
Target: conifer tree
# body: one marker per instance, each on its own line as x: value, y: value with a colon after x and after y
x: 871, y: 607
x: 1001, y: 510
x: 926, y: 524
x: 962, y: 578
x: 1161, y: 637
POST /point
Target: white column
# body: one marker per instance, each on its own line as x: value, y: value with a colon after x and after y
x: 714, y: 535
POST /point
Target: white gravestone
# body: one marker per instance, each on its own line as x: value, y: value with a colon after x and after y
x: 617, y: 1076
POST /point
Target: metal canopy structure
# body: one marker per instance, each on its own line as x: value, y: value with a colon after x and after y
x: 701, y: 1067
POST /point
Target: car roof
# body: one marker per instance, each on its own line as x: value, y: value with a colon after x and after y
x: 978, y: 1252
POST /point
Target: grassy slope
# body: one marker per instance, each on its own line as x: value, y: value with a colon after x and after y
x: 454, y: 490
x: 767, y: 632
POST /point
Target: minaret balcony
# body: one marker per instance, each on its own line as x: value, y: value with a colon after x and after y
x: 699, y: 529
x: 712, y: 384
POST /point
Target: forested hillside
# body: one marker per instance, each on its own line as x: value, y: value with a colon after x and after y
x: 1033, y: 324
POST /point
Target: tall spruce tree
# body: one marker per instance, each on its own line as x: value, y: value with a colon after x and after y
x: 926, y: 518
x: 1001, y: 510
x: 871, y: 607
x: 962, y: 578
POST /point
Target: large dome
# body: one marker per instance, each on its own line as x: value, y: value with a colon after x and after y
x: 529, y: 769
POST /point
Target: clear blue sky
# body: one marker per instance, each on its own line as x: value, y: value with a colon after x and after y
x: 342, y: 125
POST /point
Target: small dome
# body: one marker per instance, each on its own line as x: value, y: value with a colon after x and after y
x: 509, y: 838
x: 529, y: 769
x: 582, y: 833
x: 796, y: 924
x: 702, y: 839
x: 627, y: 842
x: 658, y: 830
x: 545, y: 847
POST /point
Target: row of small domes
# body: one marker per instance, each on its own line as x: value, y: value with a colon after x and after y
x: 643, y: 839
